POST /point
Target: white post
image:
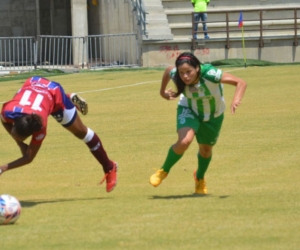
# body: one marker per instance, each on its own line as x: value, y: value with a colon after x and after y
x: 79, y: 29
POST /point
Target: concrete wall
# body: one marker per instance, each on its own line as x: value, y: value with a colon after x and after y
x: 79, y: 18
x: 274, y: 50
x: 34, y: 17
x: 17, y: 18
x: 111, y: 17
x: 71, y: 17
x: 114, y: 17
x: 55, y: 17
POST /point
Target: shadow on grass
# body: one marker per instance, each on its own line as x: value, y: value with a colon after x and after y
x: 155, y: 197
x: 31, y: 203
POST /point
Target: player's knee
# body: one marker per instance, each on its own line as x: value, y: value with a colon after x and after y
x: 183, y: 144
x: 205, y: 151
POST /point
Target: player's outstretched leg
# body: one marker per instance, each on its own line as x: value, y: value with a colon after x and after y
x: 111, y: 178
x: 109, y: 167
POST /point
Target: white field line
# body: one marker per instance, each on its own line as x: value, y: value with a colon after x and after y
x: 130, y: 85
x: 119, y: 87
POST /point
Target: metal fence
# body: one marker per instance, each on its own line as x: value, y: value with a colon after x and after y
x: 139, y: 9
x: 17, y: 53
x: 65, y: 52
x: 112, y: 50
x: 61, y: 52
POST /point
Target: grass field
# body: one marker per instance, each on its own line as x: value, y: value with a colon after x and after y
x: 253, y: 179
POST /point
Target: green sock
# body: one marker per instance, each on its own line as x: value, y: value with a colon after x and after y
x: 202, y: 166
x: 171, y: 159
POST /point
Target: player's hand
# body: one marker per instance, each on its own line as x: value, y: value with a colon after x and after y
x: 233, y: 106
x: 1, y: 171
x: 169, y: 94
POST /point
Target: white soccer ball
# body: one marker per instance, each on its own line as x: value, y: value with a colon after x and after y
x: 10, y: 209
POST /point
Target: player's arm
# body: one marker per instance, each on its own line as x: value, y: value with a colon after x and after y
x: 28, y: 157
x: 168, y: 94
x: 28, y: 151
x: 8, y: 128
x: 240, y: 85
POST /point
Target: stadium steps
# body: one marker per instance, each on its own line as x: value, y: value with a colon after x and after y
x: 157, y: 22
x: 177, y: 16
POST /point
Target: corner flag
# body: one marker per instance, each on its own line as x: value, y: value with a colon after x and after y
x: 241, y: 25
x: 241, y: 20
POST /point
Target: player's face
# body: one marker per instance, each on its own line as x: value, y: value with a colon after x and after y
x: 16, y: 136
x: 188, y: 74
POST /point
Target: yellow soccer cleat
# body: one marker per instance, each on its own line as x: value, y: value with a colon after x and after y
x: 200, y: 185
x: 158, y: 177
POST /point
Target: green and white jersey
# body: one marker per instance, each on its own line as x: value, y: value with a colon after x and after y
x: 206, y: 97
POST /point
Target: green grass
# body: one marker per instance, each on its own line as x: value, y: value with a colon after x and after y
x: 253, y: 179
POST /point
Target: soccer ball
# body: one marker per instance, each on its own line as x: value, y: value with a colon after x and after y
x: 10, y: 209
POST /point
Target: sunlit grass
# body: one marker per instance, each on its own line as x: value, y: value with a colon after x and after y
x: 253, y: 179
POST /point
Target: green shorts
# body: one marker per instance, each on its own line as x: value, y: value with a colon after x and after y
x: 206, y: 132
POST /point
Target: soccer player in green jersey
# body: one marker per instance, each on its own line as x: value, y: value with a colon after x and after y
x: 200, y: 112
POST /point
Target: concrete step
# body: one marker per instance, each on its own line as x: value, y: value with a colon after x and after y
x: 153, y: 2
x: 176, y: 4
x: 189, y: 10
x: 156, y: 8
x: 156, y: 16
x: 186, y: 11
x: 187, y: 34
x: 279, y: 23
x: 157, y: 22
x: 158, y: 30
x: 158, y: 37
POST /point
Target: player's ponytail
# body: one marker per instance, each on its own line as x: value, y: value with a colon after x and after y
x: 27, y: 124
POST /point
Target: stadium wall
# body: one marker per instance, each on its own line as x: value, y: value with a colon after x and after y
x: 277, y: 51
x: 74, y: 18
x: 159, y: 52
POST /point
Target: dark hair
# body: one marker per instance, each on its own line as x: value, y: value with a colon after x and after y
x: 191, y: 60
x: 27, y: 124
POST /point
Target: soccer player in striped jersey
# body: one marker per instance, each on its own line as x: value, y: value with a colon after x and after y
x: 200, y: 112
x: 26, y: 115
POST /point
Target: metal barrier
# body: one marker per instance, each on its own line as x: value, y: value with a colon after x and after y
x: 112, y: 50
x: 61, y: 52
x: 67, y: 52
x: 139, y: 8
x: 17, y: 53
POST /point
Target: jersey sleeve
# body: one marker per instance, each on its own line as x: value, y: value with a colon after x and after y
x: 173, y: 73
x: 210, y: 73
x: 38, y: 137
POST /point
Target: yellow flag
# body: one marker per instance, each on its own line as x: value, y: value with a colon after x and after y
x: 95, y: 2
